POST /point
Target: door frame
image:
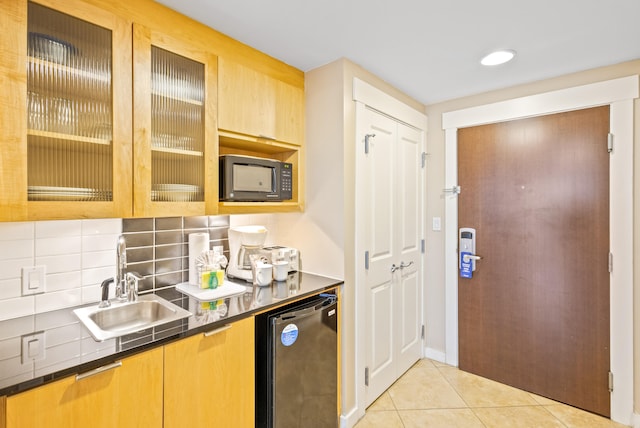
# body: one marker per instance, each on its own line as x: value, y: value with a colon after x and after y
x: 366, y: 95
x: 619, y: 95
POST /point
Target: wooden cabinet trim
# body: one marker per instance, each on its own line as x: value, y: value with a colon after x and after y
x: 3, y: 412
x: 143, y: 39
x: 121, y: 205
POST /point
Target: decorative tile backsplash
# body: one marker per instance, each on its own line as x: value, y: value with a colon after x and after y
x: 77, y: 255
x: 157, y: 248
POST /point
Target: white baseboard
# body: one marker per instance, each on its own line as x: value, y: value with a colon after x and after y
x: 350, y: 419
x: 435, y: 355
x: 636, y: 420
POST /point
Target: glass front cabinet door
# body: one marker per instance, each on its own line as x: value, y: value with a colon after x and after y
x: 78, y: 95
x: 175, y: 136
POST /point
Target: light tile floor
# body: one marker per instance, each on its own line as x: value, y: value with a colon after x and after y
x: 435, y: 395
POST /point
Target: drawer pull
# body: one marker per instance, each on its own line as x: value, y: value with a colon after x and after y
x: 218, y: 330
x: 98, y: 370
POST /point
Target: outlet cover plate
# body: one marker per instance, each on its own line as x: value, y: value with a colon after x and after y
x: 33, y: 347
x: 33, y: 280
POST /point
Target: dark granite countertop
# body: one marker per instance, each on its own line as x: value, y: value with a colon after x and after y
x: 70, y: 349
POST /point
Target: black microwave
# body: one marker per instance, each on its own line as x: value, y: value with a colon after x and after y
x: 249, y: 178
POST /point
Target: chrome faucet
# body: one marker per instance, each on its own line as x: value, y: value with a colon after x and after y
x: 121, y: 269
x: 132, y: 280
x: 127, y: 283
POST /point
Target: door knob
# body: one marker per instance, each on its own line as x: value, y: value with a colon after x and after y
x: 402, y: 265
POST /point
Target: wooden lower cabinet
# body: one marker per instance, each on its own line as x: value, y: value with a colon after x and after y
x: 209, y: 378
x: 201, y: 381
x: 126, y: 396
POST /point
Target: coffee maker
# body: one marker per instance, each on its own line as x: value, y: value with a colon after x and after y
x: 244, y: 241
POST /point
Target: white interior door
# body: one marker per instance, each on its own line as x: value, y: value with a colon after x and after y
x: 392, y: 201
x: 408, y: 248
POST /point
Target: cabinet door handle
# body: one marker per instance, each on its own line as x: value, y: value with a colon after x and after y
x: 218, y: 330
x: 98, y: 370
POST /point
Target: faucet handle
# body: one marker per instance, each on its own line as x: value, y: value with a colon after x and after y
x: 133, y: 279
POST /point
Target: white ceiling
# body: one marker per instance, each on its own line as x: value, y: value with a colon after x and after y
x: 431, y: 49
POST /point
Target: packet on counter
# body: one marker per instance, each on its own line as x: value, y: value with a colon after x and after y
x: 212, y: 279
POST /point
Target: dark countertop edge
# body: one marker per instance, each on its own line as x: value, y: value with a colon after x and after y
x: 91, y: 365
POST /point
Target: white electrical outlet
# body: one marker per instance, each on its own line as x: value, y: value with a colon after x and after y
x: 33, y: 280
x: 33, y: 347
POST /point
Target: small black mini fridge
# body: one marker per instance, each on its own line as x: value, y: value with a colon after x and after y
x: 296, y: 365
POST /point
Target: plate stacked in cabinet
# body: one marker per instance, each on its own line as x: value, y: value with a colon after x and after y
x: 177, y: 127
x: 69, y: 99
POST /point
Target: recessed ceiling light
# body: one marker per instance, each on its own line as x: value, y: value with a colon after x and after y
x: 498, y: 57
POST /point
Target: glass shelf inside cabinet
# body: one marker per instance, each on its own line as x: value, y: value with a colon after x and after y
x: 177, y: 127
x: 69, y: 103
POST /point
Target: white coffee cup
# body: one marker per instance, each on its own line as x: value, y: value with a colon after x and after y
x: 280, y: 270
x: 264, y: 273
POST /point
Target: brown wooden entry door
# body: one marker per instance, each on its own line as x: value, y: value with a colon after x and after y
x: 535, y: 315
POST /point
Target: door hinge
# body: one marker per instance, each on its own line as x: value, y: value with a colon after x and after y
x: 366, y: 376
x: 366, y: 260
x: 422, y: 246
x: 609, y: 142
x: 610, y: 262
x: 424, y: 159
x: 366, y: 142
x: 610, y: 382
x: 422, y: 332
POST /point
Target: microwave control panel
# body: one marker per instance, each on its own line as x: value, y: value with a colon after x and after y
x: 286, y: 177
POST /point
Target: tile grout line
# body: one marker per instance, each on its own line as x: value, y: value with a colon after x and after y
x: 460, y: 395
x: 474, y: 410
x: 451, y: 385
x: 554, y: 416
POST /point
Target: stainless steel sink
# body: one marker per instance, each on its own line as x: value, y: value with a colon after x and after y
x: 128, y: 317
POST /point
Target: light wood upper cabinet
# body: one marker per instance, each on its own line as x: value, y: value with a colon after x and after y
x: 67, y: 142
x: 121, y: 109
x: 290, y: 116
x: 209, y: 378
x: 242, y: 90
x: 175, y: 137
x: 125, y: 396
x: 256, y: 104
x: 261, y: 115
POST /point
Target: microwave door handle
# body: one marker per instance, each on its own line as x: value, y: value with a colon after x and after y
x: 274, y: 177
